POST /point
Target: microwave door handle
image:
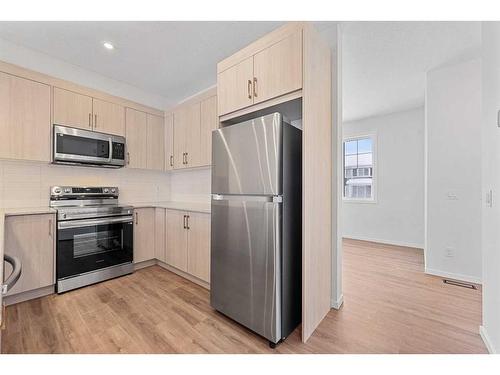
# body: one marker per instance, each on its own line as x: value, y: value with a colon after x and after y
x: 110, y: 150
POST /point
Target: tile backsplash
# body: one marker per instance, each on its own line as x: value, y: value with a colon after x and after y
x: 27, y: 184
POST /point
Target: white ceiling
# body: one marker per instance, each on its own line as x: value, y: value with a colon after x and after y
x: 384, y: 63
x: 171, y: 59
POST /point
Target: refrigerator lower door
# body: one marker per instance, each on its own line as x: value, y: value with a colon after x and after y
x: 245, y: 261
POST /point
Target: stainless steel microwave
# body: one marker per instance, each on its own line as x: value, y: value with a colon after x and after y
x: 87, y: 148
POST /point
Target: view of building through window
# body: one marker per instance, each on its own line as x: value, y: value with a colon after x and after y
x: 358, y: 168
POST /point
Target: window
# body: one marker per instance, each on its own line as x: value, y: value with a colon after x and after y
x: 359, y: 163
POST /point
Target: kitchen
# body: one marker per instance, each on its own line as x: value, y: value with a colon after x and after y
x: 100, y: 191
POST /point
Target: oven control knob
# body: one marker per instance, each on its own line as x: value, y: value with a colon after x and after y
x: 113, y: 190
x: 67, y: 190
x: 106, y: 190
x: 57, y: 190
x: 64, y: 216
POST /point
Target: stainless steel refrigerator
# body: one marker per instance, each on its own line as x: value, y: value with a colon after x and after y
x: 257, y: 225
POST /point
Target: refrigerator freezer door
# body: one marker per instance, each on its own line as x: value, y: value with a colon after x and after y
x: 247, y: 157
x: 245, y: 262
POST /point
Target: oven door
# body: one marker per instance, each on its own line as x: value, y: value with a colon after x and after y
x: 81, y: 146
x: 89, y: 245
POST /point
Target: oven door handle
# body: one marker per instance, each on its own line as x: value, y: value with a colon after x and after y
x: 93, y: 222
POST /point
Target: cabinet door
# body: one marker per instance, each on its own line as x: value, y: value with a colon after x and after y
x: 199, y: 245
x: 136, y: 136
x: 24, y: 119
x: 176, y: 240
x: 155, y: 143
x: 144, y: 234
x: 72, y: 109
x: 169, y: 141
x: 209, y: 122
x: 31, y: 239
x: 181, y: 119
x: 160, y: 234
x: 278, y: 69
x: 193, y: 135
x: 234, y: 87
x: 108, y: 117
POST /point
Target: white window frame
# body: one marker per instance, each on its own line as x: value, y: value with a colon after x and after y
x: 373, y: 137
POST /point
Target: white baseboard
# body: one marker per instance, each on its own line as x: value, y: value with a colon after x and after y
x: 455, y: 276
x: 486, y: 340
x: 338, y: 303
x: 388, y: 242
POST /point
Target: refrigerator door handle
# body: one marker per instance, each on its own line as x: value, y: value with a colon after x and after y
x: 248, y: 198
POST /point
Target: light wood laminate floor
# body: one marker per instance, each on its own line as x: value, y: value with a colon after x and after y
x: 390, y: 306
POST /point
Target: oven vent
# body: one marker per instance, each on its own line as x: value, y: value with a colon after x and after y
x: 459, y: 283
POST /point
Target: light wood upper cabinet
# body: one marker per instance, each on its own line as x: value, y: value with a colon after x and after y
x: 187, y: 136
x: 108, y: 117
x: 169, y: 141
x: 24, y: 119
x: 234, y: 87
x: 273, y: 69
x: 278, y: 69
x: 155, y: 143
x: 31, y: 239
x: 199, y: 245
x: 144, y: 234
x: 136, y: 136
x: 72, y: 109
x: 176, y: 253
x: 193, y: 134
x: 209, y: 122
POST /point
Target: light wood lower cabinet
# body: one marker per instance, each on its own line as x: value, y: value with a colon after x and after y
x: 177, y: 239
x: 24, y: 119
x: 198, y: 253
x: 31, y: 238
x: 188, y: 242
x: 160, y: 234
x: 144, y: 234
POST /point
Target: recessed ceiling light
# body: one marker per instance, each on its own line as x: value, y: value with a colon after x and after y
x: 108, y: 45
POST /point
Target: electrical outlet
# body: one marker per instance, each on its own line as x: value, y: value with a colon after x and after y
x: 449, y: 252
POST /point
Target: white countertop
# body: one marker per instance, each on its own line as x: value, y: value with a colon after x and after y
x: 182, y: 206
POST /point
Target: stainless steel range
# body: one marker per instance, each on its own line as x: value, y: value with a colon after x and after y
x: 94, y: 236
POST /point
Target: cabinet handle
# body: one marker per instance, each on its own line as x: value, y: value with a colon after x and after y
x: 90, y: 120
x: 255, y: 87
x: 128, y: 158
x: 187, y: 153
x: 184, y: 222
x: 171, y: 160
x: 187, y: 221
x: 249, y: 89
x: 95, y: 120
x: 136, y: 218
x: 50, y: 228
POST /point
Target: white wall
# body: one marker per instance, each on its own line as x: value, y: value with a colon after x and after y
x: 39, y: 62
x: 453, y: 177
x: 397, y: 216
x: 490, y: 330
